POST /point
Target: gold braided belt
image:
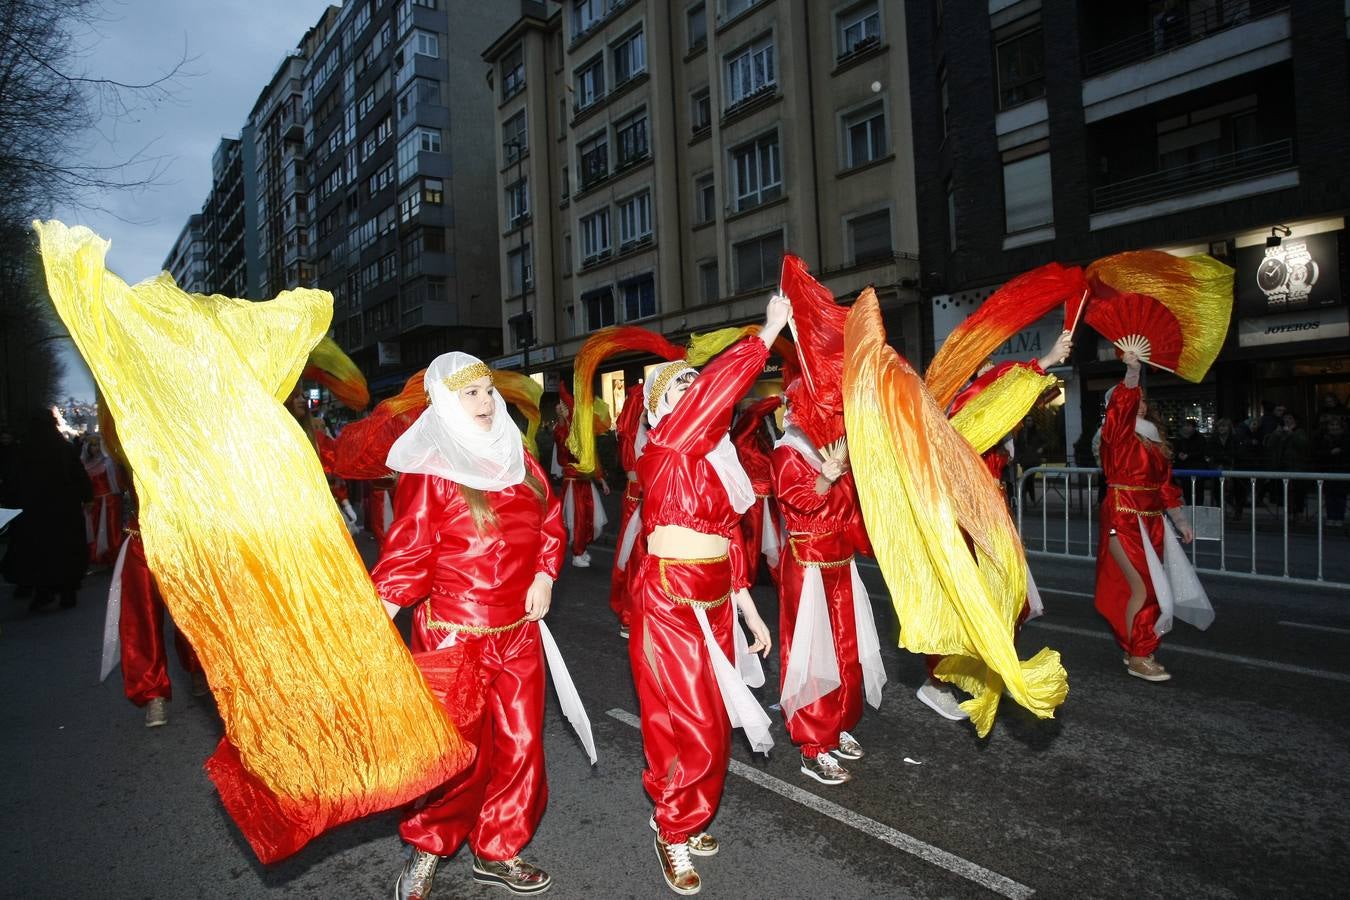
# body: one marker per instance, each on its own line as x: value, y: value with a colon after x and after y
x: 1136, y: 488
x: 690, y: 601
x: 437, y: 624
x: 794, y: 539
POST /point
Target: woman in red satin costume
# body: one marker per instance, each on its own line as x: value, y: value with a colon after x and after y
x: 825, y: 529
x: 1137, y: 469
x: 140, y: 627
x: 582, y: 514
x: 753, y: 446
x: 476, y: 544
x: 694, y: 492
x: 104, y: 515
x: 626, y: 430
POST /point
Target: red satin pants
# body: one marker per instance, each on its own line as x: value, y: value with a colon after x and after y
x: 1113, y: 591
x: 145, y: 660
x: 816, y: 727
x: 581, y: 530
x: 375, y: 514
x: 619, y: 600
x: 686, y: 734
x: 497, y: 802
x: 751, y: 536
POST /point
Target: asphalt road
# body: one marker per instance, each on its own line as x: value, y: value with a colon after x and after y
x: 1229, y: 781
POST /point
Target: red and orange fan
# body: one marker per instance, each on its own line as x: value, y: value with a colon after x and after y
x: 1139, y: 323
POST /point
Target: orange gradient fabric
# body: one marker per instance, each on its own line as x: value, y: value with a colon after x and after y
x: 326, y: 716
x: 333, y: 369
x: 946, y: 546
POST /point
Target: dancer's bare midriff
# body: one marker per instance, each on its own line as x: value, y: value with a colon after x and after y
x: 678, y: 542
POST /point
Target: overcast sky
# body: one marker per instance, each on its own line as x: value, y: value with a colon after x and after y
x: 235, y: 46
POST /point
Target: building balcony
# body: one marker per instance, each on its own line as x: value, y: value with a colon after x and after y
x: 1218, y: 179
x: 1202, y: 48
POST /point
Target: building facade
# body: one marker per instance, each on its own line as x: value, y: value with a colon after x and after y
x: 230, y: 220
x: 655, y: 160
x: 189, y: 260
x: 1068, y: 130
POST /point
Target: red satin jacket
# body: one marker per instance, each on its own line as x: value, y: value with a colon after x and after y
x: 834, y: 519
x: 566, y: 461
x: 752, y: 444
x: 626, y: 428
x: 679, y: 486
x: 1138, y: 475
x: 434, y: 551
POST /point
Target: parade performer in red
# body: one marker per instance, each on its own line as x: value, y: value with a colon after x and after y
x: 685, y: 649
x: 103, y: 517
x: 1132, y: 585
x: 627, y: 427
x: 476, y: 545
x: 830, y: 652
x: 759, y: 531
x: 325, y: 447
x: 583, y: 513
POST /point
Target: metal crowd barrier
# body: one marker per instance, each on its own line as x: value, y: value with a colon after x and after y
x: 1260, y: 543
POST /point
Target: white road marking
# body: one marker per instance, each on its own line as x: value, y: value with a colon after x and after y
x: 999, y: 884
x: 1208, y: 654
x: 1331, y: 628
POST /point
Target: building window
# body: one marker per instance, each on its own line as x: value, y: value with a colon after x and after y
x: 586, y: 14
x: 865, y: 136
x: 696, y: 19
x: 593, y: 160
x: 425, y: 43
x: 410, y: 203
x: 705, y: 199
x: 630, y: 57
x: 1027, y: 193
x: 758, y: 172
x: 365, y: 104
x: 707, y: 281
x: 700, y: 110
x: 758, y: 261
x: 513, y: 72
x: 517, y: 203
x: 590, y: 83
x: 1021, y: 68
x: 599, y: 307
x: 859, y: 28
x: 750, y: 70
x: 515, y: 141
x: 639, y: 297
x: 951, y: 216
x: 566, y: 183
x: 635, y: 219
x: 519, y: 270
x: 594, y: 236
x: 417, y: 141
x: 946, y: 105
x: 433, y: 191
x: 630, y: 136
x: 420, y: 91
x: 869, y: 236
x: 736, y: 7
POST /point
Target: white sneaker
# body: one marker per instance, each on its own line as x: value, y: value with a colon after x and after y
x: 825, y: 769
x: 941, y: 700
x: 156, y: 713
x: 583, y: 561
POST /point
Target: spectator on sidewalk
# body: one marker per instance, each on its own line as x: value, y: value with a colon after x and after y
x: 1222, y: 450
x: 1331, y: 453
x: 1287, y: 451
x: 1189, y: 453
x: 1331, y: 408
x: 47, y: 546
x: 1028, y: 453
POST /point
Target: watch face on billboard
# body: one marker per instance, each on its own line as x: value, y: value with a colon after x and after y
x: 1301, y: 273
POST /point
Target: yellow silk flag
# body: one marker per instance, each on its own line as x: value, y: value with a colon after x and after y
x: 326, y: 716
x: 924, y: 493
x: 995, y: 411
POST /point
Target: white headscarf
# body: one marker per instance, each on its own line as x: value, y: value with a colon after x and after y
x: 446, y: 442
x: 1142, y: 427
x: 722, y: 458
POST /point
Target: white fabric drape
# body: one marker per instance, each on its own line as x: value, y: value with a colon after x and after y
x: 1175, y: 584
x: 112, y: 619
x: 869, y: 644
x: 446, y: 442
x: 813, y: 666
x: 568, y: 698
x: 742, y: 708
x: 630, y: 536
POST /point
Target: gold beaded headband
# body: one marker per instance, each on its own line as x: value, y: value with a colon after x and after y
x: 465, y: 375
x: 662, y: 381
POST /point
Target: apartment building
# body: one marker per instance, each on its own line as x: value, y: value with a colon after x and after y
x: 401, y: 181
x: 1068, y: 130
x: 280, y: 173
x: 187, y: 262
x: 656, y: 159
x: 230, y: 220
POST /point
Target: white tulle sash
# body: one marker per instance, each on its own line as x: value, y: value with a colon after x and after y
x: 869, y: 645
x: 813, y: 668
x: 629, y: 539
x: 1175, y: 584
x: 112, y: 619
x: 742, y: 708
x: 771, y: 542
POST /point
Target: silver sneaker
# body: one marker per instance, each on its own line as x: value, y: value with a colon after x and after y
x: 941, y: 700
x: 156, y: 713
x: 418, y: 876
x: 515, y: 874
x: 583, y: 561
x: 825, y: 769
x: 848, y: 748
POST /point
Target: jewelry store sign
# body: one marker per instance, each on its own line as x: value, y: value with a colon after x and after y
x: 1297, y: 327
x: 1299, y: 273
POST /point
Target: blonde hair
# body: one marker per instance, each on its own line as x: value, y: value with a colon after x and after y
x: 484, y: 517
